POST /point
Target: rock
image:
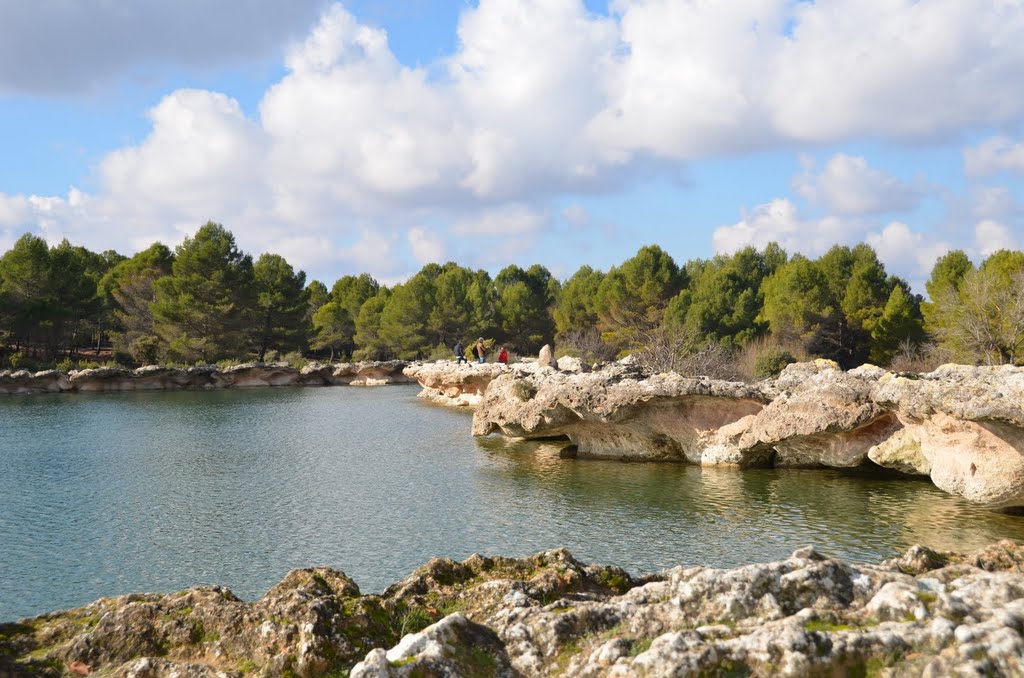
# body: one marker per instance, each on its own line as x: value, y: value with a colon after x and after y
x: 571, y: 364
x: 454, y: 646
x: 161, y: 378
x: 546, y: 357
x: 961, y: 426
x: 901, y: 452
x: 925, y: 613
x: 449, y: 383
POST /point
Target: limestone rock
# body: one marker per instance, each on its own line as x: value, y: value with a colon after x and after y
x: 901, y: 452
x: 546, y: 357
x: 962, y: 426
x: 925, y: 613
x: 162, y: 378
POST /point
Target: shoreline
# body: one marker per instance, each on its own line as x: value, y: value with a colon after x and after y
x: 203, y: 377
x: 924, y: 612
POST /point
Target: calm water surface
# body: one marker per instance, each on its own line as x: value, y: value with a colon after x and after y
x: 103, y: 494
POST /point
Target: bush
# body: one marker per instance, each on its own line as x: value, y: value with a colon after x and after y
x: 919, y: 358
x: 771, y: 362
x: 586, y: 345
x: 295, y: 359
x: 524, y: 390
x: 21, y: 361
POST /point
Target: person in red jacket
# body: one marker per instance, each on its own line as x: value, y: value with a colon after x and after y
x: 503, y: 355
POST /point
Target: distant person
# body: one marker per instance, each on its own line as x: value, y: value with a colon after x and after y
x: 503, y: 355
x: 480, y: 351
x: 460, y: 352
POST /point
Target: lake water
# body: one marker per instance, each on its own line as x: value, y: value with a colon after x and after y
x: 104, y: 494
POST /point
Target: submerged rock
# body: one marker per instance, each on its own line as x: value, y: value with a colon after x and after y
x: 925, y: 613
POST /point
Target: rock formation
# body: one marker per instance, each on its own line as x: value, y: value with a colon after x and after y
x: 925, y: 613
x: 961, y: 426
x: 160, y: 378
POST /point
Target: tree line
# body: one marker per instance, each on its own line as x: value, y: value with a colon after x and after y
x: 207, y: 301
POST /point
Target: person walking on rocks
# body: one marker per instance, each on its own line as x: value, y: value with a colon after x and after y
x: 503, y: 355
x: 481, y: 351
x: 460, y: 352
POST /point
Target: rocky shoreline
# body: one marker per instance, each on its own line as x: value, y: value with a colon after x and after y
x: 961, y: 426
x: 923, y: 614
x: 162, y: 378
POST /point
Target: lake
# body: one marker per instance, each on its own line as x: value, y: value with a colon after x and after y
x: 105, y: 494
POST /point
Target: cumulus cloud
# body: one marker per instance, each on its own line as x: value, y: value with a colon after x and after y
x: 993, y: 202
x: 779, y: 221
x: 991, y: 236
x: 539, y: 99
x: 426, y: 246
x: 507, y: 220
x: 909, y: 253
x: 57, y: 47
x: 994, y: 155
x: 848, y: 185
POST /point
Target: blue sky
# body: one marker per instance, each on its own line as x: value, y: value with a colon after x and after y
x: 377, y: 136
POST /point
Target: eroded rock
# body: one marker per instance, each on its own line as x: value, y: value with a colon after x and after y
x: 961, y: 426
x: 162, y: 378
x: 925, y: 613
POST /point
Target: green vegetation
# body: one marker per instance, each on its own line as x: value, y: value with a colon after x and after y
x: 746, y: 314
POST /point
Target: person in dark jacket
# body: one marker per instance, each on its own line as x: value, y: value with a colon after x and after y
x: 460, y: 352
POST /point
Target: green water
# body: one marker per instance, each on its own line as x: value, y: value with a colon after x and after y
x: 103, y: 494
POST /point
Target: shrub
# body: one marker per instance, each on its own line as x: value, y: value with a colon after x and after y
x: 772, y: 362
x: 295, y: 359
x: 524, y: 390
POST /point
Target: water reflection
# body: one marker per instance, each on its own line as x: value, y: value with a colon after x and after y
x: 732, y: 516
x: 103, y: 494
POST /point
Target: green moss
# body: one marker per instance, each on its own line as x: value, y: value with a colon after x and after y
x: 524, y: 390
x: 927, y: 597
x: 565, y: 655
x: 402, y: 662
x: 478, y: 663
x: 246, y: 666
x: 639, y: 646
x: 824, y: 626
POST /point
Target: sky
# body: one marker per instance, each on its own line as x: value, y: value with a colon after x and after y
x: 377, y: 136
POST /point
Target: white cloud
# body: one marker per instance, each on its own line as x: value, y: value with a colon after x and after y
x: 994, y: 155
x: 911, y: 254
x: 507, y: 220
x: 426, y: 246
x: 577, y: 216
x: 778, y: 221
x: 56, y: 47
x: 540, y: 98
x: 848, y: 185
x: 991, y: 236
x: 896, y: 68
x: 993, y: 202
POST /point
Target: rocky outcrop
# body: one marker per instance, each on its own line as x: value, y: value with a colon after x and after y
x: 925, y: 613
x: 161, y: 378
x: 454, y: 384
x: 961, y: 426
